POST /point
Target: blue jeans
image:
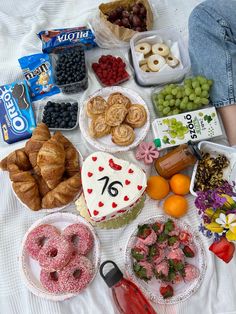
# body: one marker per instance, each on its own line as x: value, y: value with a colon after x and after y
x: 212, y: 47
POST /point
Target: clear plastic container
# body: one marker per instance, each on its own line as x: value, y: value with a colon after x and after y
x: 39, y: 110
x: 168, y: 75
x: 115, y: 53
x: 74, y: 87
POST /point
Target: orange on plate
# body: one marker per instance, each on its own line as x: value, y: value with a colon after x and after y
x: 157, y: 187
x: 175, y: 206
x: 180, y: 184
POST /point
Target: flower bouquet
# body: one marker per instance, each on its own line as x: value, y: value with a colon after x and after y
x: 217, y: 209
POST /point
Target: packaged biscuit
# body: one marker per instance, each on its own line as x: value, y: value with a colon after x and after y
x: 16, y: 113
x: 37, y: 70
x: 62, y: 37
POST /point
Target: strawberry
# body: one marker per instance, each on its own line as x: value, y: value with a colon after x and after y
x: 188, y: 252
x: 169, y: 226
x: 144, y: 231
x: 223, y: 249
x: 167, y: 291
x: 156, y: 226
x: 184, y: 237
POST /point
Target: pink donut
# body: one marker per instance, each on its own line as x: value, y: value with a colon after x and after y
x: 50, y: 281
x: 55, y: 254
x: 76, y: 275
x: 80, y: 236
x: 38, y: 237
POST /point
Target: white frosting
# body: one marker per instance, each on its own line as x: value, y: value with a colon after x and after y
x: 110, y: 185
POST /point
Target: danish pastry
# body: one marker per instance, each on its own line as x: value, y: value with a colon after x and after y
x: 172, y: 61
x: 156, y: 62
x: 118, y: 98
x: 98, y: 127
x: 161, y: 49
x: 137, y: 116
x: 123, y: 135
x: 145, y: 68
x: 144, y: 48
x: 115, y: 114
x: 95, y: 106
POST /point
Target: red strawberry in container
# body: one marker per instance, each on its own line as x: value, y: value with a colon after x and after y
x: 176, y: 254
x: 158, y: 227
x: 191, y: 272
x: 143, y: 270
x: 185, y: 237
x: 223, y: 249
x: 140, y: 251
x: 173, y: 242
x: 146, y: 234
x: 162, y: 269
x: 166, y: 291
x: 189, y: 251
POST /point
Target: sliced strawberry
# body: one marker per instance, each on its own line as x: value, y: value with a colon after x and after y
x: 167, y: 291
x: 223, y: 249
x: 184, y: 237
x: 188, y: 252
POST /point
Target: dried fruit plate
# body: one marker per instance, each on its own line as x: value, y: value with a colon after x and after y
x: 182, y: 290
x: 105, y: 143
x: 30, y: 269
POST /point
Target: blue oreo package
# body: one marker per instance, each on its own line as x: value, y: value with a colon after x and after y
x: 37, y: 70
x: 61, y: 37
x: 16, y: 113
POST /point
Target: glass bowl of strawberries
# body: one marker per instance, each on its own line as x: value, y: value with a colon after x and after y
x: 166, y: 259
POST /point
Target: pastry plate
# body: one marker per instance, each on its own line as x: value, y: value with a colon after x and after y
x: 56, y: 209
x: 182, y: 290
x: 30, y: 269
x: 105, y: 143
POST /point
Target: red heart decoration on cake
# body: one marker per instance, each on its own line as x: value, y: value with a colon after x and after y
x: 90, y: 191
x: 131, y: 171
x: 95, y: 212
x: 127, y: 182
x: 139, y: 187
x: 90, y: 174
x: 126, y: 198
x: 114, y: 205
x: 114, y: 165
x: 100, y: 168
x: 121, y: 211
x: 100, y: 204
x: 94, y: 158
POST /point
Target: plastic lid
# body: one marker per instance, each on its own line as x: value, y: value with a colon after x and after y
x: 113, y: 276
x: 157, y: 142
x: 196, y: 151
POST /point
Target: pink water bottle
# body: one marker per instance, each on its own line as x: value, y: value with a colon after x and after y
x: 126, y: 295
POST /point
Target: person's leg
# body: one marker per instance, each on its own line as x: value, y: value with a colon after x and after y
x: 212, y: 49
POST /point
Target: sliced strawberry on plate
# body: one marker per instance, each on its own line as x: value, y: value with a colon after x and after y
x: 166, y: 291
x: 185, y: 237
x: 188, y: 252
x: 223, y: 249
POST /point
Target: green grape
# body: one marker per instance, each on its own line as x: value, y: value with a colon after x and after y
x: 195, y: 84
x: 161, y: 101
x: 204, y: 94
x: 188, y: 91
x: 204, y: 101
x: 160, y: 108
x: 185, y: 129
x: 166, y: 110
x: 185, y: 100
x: 172, y: 86
x: 170, y: 113
x: 198, y: 91
x: 179, y: 95
x: 172, y: 142
x: 195, y: 106
x: 173, y: 134
x: 183, y: 106
x: 160, y: 97
x: 192, y: 96
x: 173, y: 121
x: 166, y: 103
x: 174, y: 91
x: 176, y: 111
x: 179, y: 124
x: 172, y: 102
x: 168, y: 97
x: 165, y: 121
x: 210, y: 82
x: 197, y: 101
x: 168, y: 90
x: 190, y: 106
x: 187, y: 82
x: 177, y: 102
x: 205, y: 87
x: 201, y: 79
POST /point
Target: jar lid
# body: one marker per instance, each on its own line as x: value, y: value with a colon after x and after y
x: 113, y: 276
x: 195, y: 150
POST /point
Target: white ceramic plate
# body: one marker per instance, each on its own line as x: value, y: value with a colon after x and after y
x: 105, y: 143
x: 56, y: 209
x: 30, y: 269
x: 182, y: 291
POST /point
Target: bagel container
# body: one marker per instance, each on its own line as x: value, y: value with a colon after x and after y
x: 166, y: 36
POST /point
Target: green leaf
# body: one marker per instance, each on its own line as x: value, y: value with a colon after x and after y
x: 162, y: 237
x: 169, y: 226
x: 152, y: 251
x: 172, y: 240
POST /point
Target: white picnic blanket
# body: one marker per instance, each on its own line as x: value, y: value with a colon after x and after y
x: 19, y: 23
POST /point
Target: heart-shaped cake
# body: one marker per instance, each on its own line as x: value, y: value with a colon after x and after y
x: 111, y: 186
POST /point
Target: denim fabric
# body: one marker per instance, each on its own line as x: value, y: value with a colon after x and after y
x: 212, y: 47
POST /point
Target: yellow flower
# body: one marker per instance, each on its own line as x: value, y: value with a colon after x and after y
x: 228, y: 222
x: 214, y: 227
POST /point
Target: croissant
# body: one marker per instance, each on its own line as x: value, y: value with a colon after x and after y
x: 42, y: 185
x: 64, y: 193
x: 72, y: 165
x: 40, y: 135
x: 51, y: 161
x: 19, y: 158
x: 25, y: 187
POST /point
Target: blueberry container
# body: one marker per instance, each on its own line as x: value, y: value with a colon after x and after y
x: 39, y: 108
x: 68, y: 76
